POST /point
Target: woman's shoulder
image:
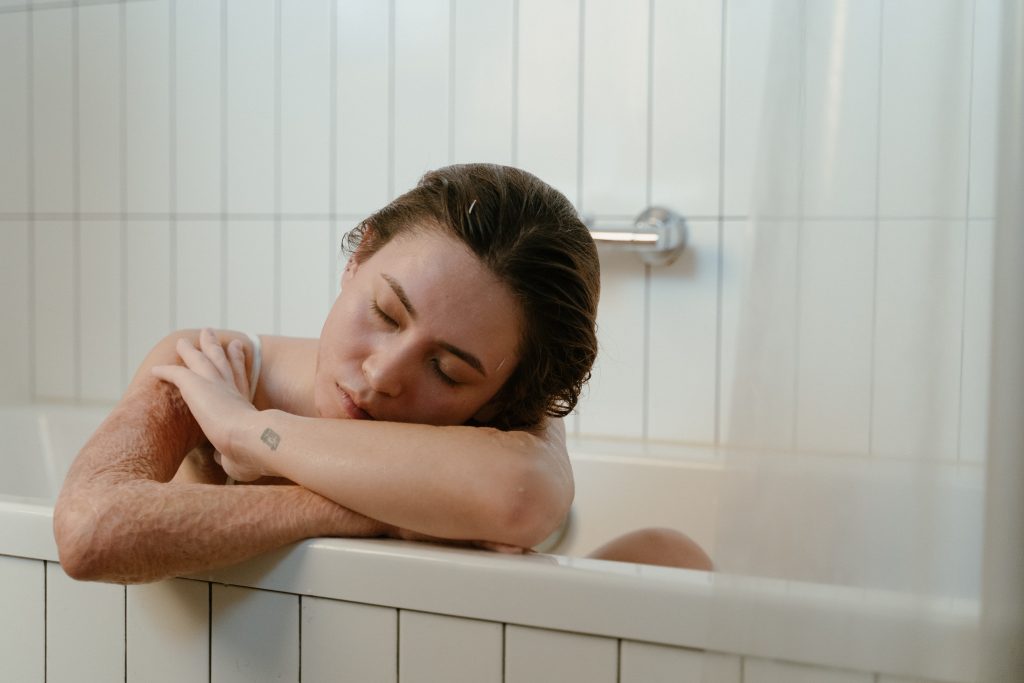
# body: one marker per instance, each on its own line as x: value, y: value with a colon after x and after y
x: 287, y: 366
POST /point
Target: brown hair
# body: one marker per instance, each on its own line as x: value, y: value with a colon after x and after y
x: 530, y: 236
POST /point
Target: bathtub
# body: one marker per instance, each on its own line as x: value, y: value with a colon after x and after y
x: 386, y: 610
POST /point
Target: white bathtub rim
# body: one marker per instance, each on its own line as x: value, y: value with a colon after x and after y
x: 858, y: 629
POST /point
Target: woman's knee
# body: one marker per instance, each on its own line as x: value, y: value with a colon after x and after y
x: 655, y: 545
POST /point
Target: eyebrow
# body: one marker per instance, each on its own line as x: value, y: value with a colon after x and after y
x: 466, y: 356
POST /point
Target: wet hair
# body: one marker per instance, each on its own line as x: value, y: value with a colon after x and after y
x: 530, y: 236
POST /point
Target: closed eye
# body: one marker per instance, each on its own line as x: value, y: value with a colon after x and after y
x: 382, y: 315
x: 440, y: 373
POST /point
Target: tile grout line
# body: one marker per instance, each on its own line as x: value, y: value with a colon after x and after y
x: 225, y: 140
x: 123, y: 169
x: 720, y: 276
x: 514, y: 142
x: 391, y: 98
x: 645, y: 407
x: 967, y: 232
x: 332, y: 189
x: 76, y: 238
x: 877, y: 219
x: 451, y: 81
x: 277, y: 165
x: 172, y: 161
x: 30, y: 175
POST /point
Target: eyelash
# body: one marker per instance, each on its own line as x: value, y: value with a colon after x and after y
x: 382, y: 315
x: 434, y: 362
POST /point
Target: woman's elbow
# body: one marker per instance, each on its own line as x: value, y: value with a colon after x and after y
x: 83, y: 554
x: 534, y: 510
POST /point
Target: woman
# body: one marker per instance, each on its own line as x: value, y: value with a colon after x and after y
x: 464, y: 332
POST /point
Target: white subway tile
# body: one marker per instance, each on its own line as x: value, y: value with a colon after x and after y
x: 305, y: 106
x: 840, y: 111
x: 770, y: 671
x: 251, y: 278
x: 649, y: 663
x: 349, y: 642
x: 984, y: 108
x: 251, y: 109
x: 421, y: 88
x: 84, y: 629
x: 99, y: 292
x: 147, y: 290
x: 548, y: 92
x: 926, y: 49
x: 836, y: 262
x: 977, y: 350
x: 255, y: 636
x: 759, y: 334
x: 147, y: 107
x: 307, y: 271
x: 55, y: 303
x: 615, y: 106
x: 748, y: 26
x: 682, y: 341
x: 540, y: 656
x: 168, y: 631
x: 99, y: 108
x: 363, y: 105
x: 14, y: 144
x: 612, y: 403
x: 197, y: 106
x: 53, y: 111
x: 483, y: 83
x: 16, y: 333
x: 198, y: 269
x: 433, y: 648
x: 23, y: 630
x: 686, y: 105
x: 917, y: 345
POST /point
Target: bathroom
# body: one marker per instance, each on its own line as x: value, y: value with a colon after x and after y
x: 805, y: 389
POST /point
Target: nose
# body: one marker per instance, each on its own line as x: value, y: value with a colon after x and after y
x: 383, y: 370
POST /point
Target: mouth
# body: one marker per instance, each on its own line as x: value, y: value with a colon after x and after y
x: 349, y: 406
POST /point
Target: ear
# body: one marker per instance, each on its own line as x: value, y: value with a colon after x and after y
x: 350, y: 268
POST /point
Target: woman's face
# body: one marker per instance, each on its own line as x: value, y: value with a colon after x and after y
x: 422, y: 332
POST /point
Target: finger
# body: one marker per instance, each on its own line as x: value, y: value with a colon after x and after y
x: 175, y: 374
x: 211, y: 346
x: 237, y: 357
x: 197, y: 361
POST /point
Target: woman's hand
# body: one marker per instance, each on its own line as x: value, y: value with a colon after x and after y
x: 216, y: 388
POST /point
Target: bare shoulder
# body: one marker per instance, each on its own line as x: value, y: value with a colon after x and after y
x: 286, y: 375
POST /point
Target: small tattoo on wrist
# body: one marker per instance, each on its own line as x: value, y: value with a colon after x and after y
x: 271, y: 438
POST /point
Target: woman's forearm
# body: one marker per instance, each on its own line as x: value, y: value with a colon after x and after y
x: 451, y: 482
x: 143, y: 531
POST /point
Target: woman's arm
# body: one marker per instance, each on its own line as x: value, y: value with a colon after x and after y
x: 117, y: 520
x: 460, y: 483
x: 452, y: 482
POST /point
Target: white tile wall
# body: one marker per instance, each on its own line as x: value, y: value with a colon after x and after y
x: 147, y: 107
x: 53, y: 110
x: 14, y: 146
x: 770, y: 671
x: 349, y: 642
x: 433, y: 648
x: 310, y: 116
x: 22, y: 628
x: 99, y: 62
x: 250, y: 98
x: 541, y: 656
x: 168, y: 631
x: 305, y: 104
x: 648, y: 663
x: 254, y: 637
x: 85, y: 629
x: 15, y: 282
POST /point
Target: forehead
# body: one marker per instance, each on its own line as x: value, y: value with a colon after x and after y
x: 455, y: 296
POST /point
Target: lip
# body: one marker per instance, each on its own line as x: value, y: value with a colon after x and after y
x: 349, y: 406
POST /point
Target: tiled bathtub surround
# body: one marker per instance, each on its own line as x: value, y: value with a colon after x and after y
x: 175, y: 163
